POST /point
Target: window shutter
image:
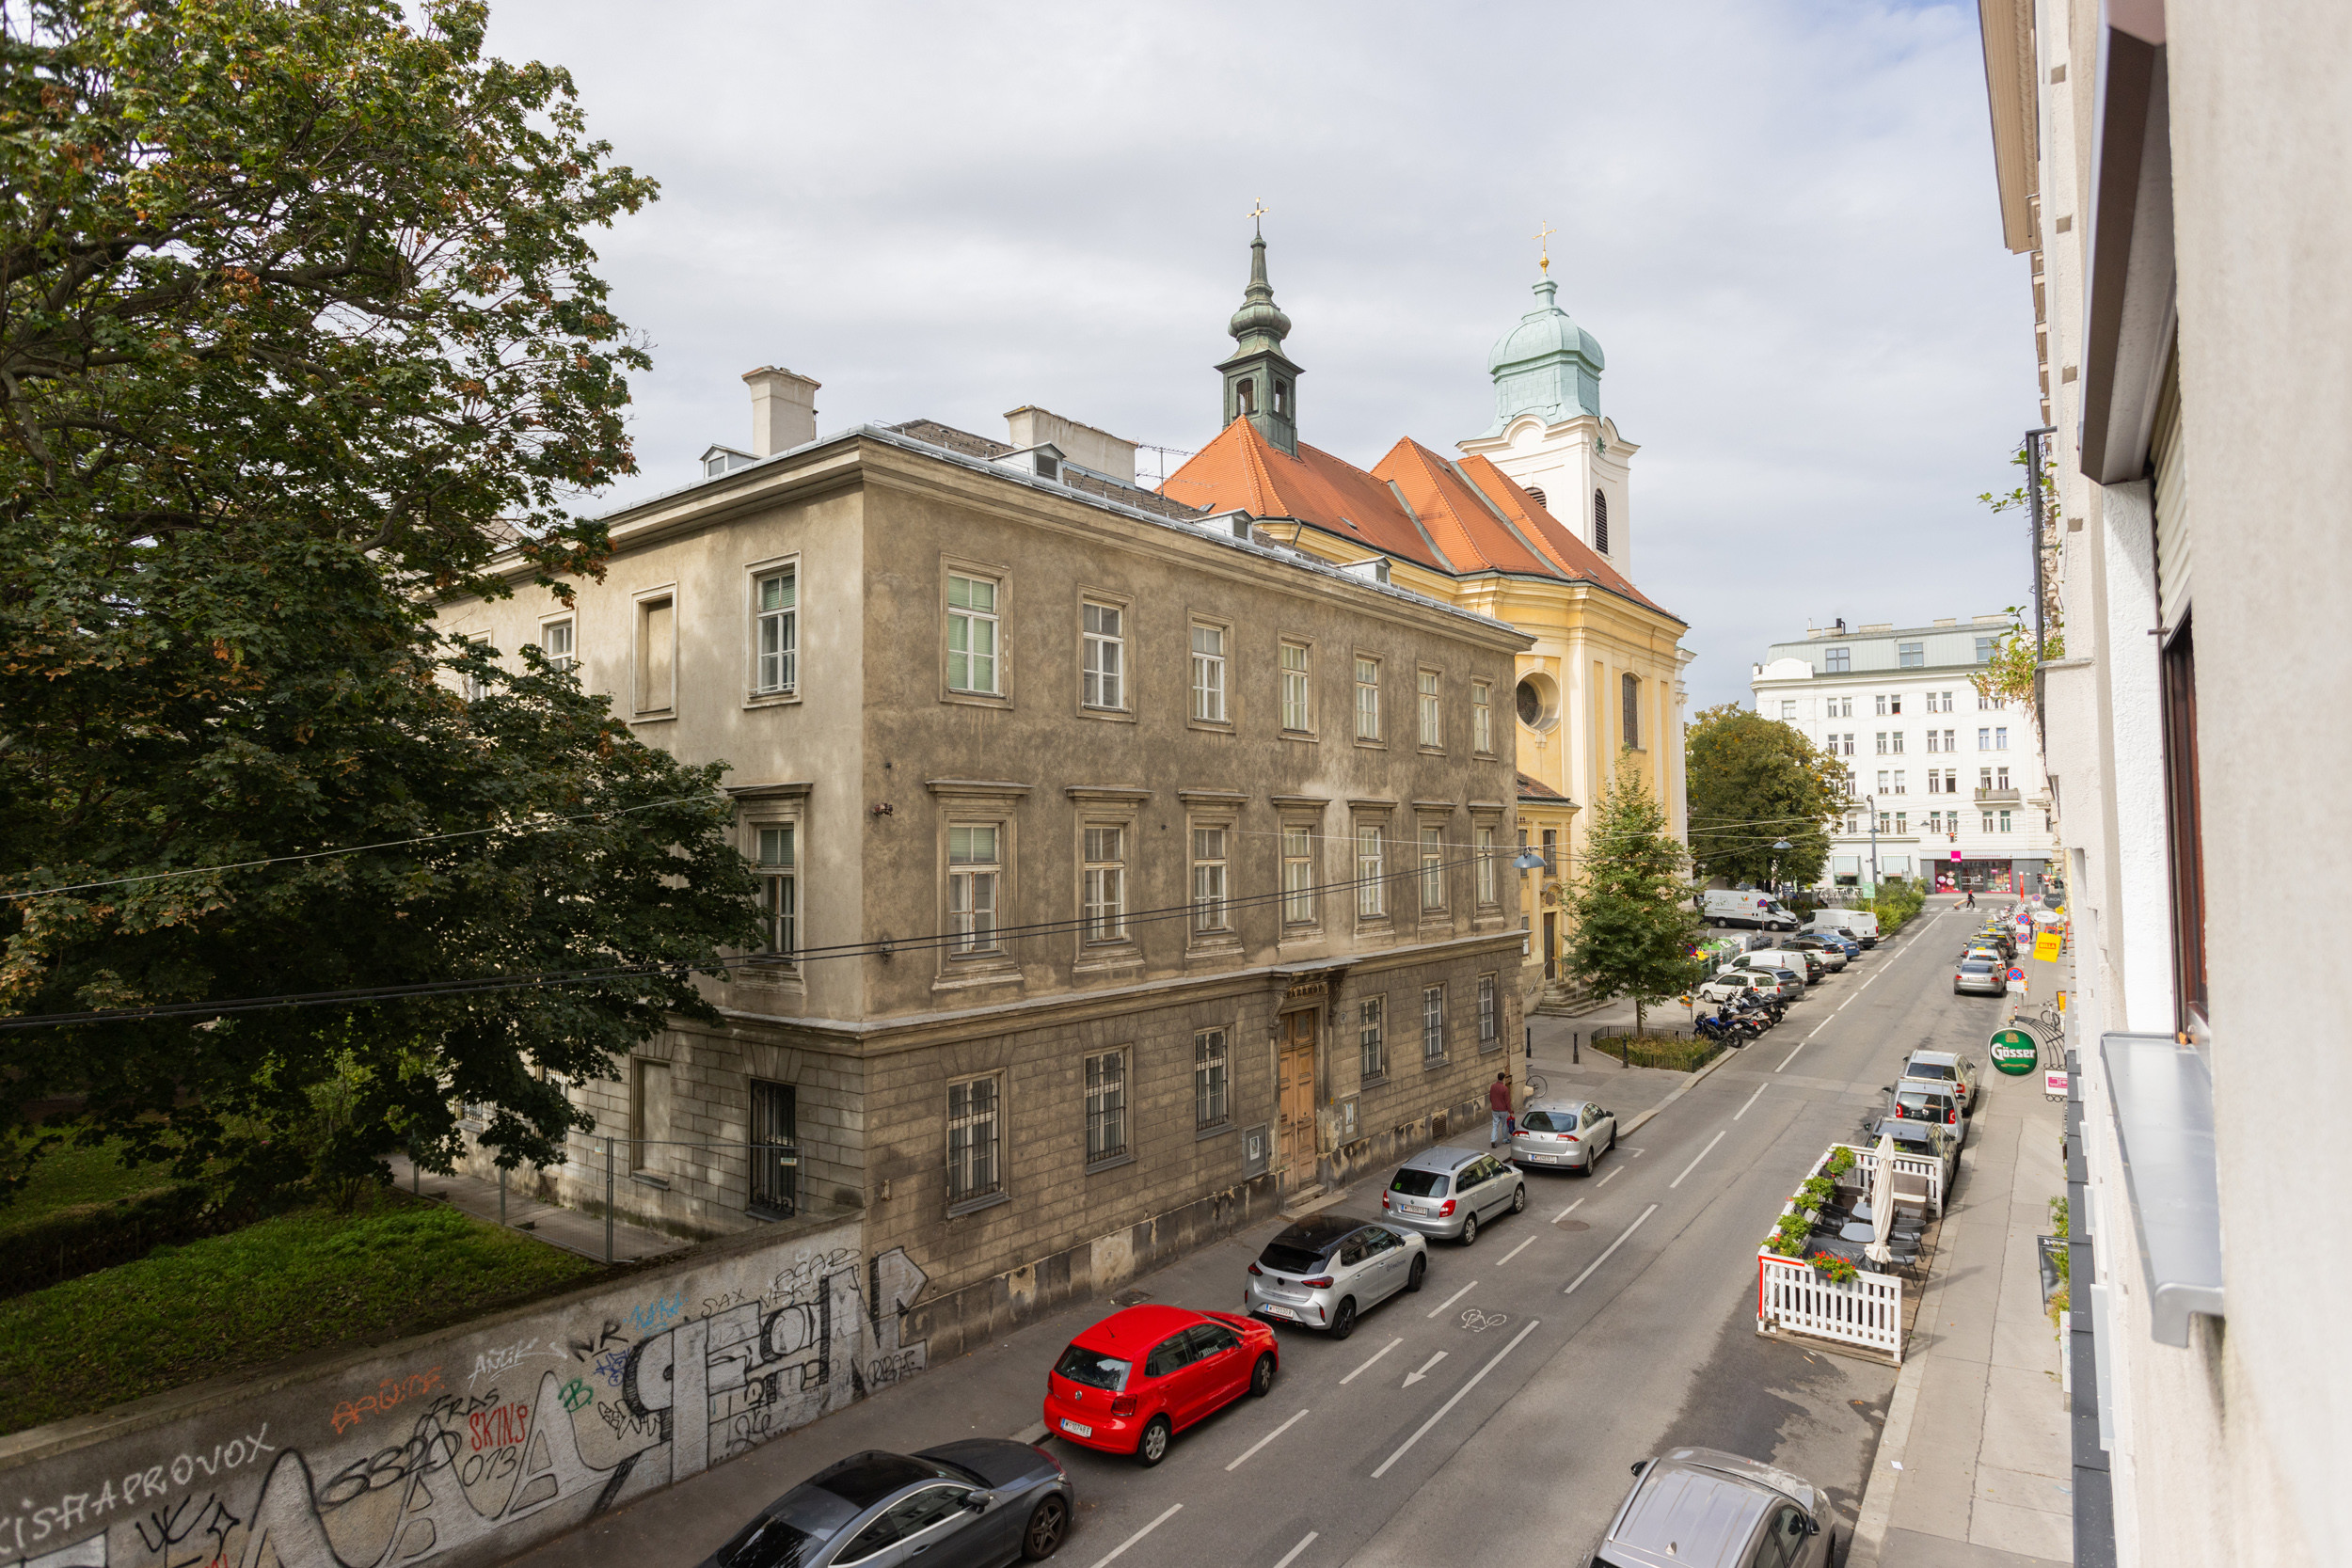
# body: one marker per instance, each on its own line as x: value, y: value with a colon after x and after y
x: 2171, y: 502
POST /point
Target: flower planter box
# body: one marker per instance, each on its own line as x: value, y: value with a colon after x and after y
x: 1866, y: 1312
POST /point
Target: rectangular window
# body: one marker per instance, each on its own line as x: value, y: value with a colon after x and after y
x: 1952, y: 737
x: 973, y: 871
x: 1298, y: 876
x: 1985, y: 704
x: 1837, y: 660
x: 1298, y: 716
x: 1910, y: 656
x: 779, y: 893
x: 1881, y: 700
x: 1432, y: 868
x: 1988, y: 821
x: 1902, y: 824
x: 1208, y: 674
x: 972, y: 635
x: 1883, y: 778
x: 1885, y: 823
x: 1984, y: 650
x: 1208, y: 879
x: 1899, y: 783
x: 973, y: 1112
x: 1931, y: 739
x: 1882, y: 738
x: 1489, y: 1019
x: 1106, y: 1106
x: 1984, y: 740
x: 2004, y: 821
x: 1211, y: 1106
x: 1896, y: 737
x: 1432, y: 719
x: 1486, y: 853
x: 649, y: 1115
x: 1482, y: 717
x: 1985, y: 778
x: 1894, y: 703
x: 2000, y: 740
x: 1432, y: 1022
x: 1788, y: 710
x: 1102, y: 657
x: 1367, y: 699
x: 555, y: 642
x: 1370, y: 1041
x: 1371, y: 887
x: 1105, y: 897
x: 776, y: 634
x: 1551, y: 851
x: 1629, y: 696
x: 774, y: 1137
x: 657, y: 649
x: 2000, y: 778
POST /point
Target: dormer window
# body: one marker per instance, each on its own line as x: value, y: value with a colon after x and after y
x: 722, y: 460
x: 1047, y: 468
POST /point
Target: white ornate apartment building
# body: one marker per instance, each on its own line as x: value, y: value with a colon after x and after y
x: 1954, y: 778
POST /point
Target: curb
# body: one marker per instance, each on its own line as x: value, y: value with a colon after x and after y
x: 1679, y: 1091
x: 1878, y: 1498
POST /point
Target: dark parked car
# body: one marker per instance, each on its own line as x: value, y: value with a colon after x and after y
x: 978, y: 1503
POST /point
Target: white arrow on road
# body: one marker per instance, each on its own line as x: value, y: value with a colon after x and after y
x: 1411, y: 1378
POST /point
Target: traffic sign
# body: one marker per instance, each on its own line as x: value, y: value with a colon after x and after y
x: 2014, y: 1052
x: 2015, y: 974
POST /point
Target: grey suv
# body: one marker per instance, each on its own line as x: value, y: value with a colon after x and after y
x: 1702, y: 1508
x: 1450, y: 1193
x: 1327, y: 1268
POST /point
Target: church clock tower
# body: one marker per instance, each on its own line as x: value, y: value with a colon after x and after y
x: 1261, y: 383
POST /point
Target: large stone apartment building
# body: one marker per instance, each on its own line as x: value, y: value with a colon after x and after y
x: 1127, y: 873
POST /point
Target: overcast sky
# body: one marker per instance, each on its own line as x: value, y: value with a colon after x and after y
x: 1778, y: 220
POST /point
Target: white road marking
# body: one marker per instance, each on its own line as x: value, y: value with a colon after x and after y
x: 1517, y: 1250
x: 1442, y: 1410
x: 1455, y: 1297
x: 1172, y: 1510
x: 1411, y: 1378
x: 1694, y: 1163
x: 1751, y: 1100
x: 1292, y: 1556
x: 1604, y: 1257
x: 1263, y: 1441
x: 1570, y: 1210
x: 1376, y: 1355
x: 1030, y: 1434
x: 1790, y: 1057
x: 1610, y: 1177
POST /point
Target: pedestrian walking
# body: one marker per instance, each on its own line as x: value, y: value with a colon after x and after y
x: 1972, y: 899
x: 1499, y: 1102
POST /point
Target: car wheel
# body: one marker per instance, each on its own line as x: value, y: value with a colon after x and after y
x: 1261, y: 1377
x: 1412, y: 1280
x: 1343, y: 1321
x: 1049, y: 1520
x: 1470, y: 1228
x: 1518, y: 1198
x: 1154, y: 1447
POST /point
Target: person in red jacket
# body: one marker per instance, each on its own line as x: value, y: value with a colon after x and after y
x: 1499, y: 1102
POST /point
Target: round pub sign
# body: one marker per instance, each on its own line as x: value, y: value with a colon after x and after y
x: 2013, y: 1052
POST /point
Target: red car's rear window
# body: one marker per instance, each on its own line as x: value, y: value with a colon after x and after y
x: 1095, y: 1368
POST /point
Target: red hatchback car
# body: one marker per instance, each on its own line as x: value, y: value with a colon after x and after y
x: 1137, y: 1378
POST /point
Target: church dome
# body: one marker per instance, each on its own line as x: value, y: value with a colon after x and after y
x: 1547, y: 366
x: 1546, y: 329
x: 1259, y: 316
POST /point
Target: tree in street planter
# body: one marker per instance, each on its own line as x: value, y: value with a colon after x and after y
x: 1754, y: 781
x: 1630, y: 922
x: 298, y: 328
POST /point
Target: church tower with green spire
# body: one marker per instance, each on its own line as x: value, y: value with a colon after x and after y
x: 1261, y: 383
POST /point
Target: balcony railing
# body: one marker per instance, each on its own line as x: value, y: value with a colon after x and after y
x: 1999, y: 796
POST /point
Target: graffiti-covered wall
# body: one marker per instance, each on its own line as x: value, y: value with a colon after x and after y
x: 463, y: 1447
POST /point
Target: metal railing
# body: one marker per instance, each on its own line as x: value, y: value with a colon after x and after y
x: 771, y: 1164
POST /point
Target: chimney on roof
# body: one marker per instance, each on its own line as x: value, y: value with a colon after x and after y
x: 784, y: 410
x: 1082, y: 444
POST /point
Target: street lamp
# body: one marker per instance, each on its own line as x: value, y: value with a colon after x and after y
x: 1778, y: 849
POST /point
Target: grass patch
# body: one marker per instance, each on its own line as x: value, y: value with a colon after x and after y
x: 1676, y: 1052
x: 71, y: 1178
x: 304, y: 1281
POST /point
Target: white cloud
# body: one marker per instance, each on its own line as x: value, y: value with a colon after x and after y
x: 1778, y: 220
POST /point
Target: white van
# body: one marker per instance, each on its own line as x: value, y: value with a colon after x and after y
x: 1860, y: 925
x: 1731, y: 905
x: 1789, y: 957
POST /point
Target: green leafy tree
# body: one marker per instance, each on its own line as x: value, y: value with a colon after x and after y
x: 1754, y: 781
x: 1630, y: 921
x: 298, y: 328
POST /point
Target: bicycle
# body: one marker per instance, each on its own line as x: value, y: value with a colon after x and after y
x: 1536, y: 1088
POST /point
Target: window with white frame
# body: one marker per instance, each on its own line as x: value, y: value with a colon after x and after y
x: 1370, y: 1041
x: 1885, y: 823
x: 1879, y: 699
x: 1106, y: 1106
x: 972, y: 635
x: 1933, y: 737
x: 1837, y: 661
x: 1299, y: 875
x: 1371, y: 872
x: 1910, y: 656
x: 1297, y: 711
x: 2004, y: 821
x: 1103, y: 898
x: 1432, y: 716
x: 1489, y: 1012
x: 1984, y: 740
x: 1209, y: 911
x: 776, y: 632
x: 2000, y: 778
x: 555, y: 644
x: 1884, y: 775
x: 1432, y: 868
x: 1894, y: 703
x: 1988, y: 821
x: 975, y: 871
x: 1482, y: 717
x: 1367, y: 698
x: 1211, y: 1099
x: 1984, y: 650
x: 1896, y: 737
x: 1483, y: 848
x: 1899, y: 783
x: 1882, y: 739
x: 974, y: 1114
x: 1985, y: 778
x: 778, y: 870
x: 2000, y: 738
x: 1103, y: 656
x: 1901, y: 823
x: 1951, y: 740
x: 1789, y: 708
x: 1432, y: 1022
x: 1208, y: 674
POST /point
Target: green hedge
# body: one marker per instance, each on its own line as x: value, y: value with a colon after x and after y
x: 1895, y: 904
x: 1676, y: 1052
x: 93, y: 1236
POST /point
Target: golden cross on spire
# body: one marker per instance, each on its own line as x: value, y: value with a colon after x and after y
x: 1258, y: 213
x: 1543, y: 237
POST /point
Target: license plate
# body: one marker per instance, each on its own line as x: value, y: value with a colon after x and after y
x: 1077, y: 1430
x: 1273, y: 1311
x: 1414, y: 1207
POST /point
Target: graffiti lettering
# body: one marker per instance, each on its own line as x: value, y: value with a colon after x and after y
x: 610, y: 1365
x: 497, y: 1429
x: 505, y: 1357
x: 585, y: 1350
x: 577, y: 1394
x: 388, y: 1395
x: 73, y: 1510
x: 168, y: 1526
x: 657, y: 1313
x: 626, y: 1425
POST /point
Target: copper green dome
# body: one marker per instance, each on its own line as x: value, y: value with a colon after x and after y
x: 1259, y: 316
x: 1546, y: 366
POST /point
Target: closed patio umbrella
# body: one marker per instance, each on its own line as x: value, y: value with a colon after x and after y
x: 1881, y: 1203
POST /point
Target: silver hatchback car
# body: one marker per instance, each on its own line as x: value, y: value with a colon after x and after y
x: 1702, y: 1508
x: 1565, y: 1134
x: 1450, y: 1192
x: 1327, y: 1269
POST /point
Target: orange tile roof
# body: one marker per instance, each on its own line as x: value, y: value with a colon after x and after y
x: 1457, y: 518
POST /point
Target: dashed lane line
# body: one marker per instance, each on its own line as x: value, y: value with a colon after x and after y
x: 1263, y: 1441
x: 1376, y: 1355
x: 1613, y: 1246
x: 1751, y: 1100
x: 1292, y: 1556
x: 1610, y: 1177
x: 1694, y: 1162
x: 1455, y: 1297
x: 1443, y: 1410
x: 1113, y: 1555
x: 1517, y: 1250
x: 1570, y: 1210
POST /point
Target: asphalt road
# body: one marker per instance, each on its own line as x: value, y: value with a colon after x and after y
x: 1494, y: 1416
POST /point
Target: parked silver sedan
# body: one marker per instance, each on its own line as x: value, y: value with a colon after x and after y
x: 1565, y: 1134
x: 1450, y: 1192
x: 1327, y: 1269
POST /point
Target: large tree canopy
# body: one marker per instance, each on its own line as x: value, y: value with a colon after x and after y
x: 298, y: 326
x: 1753, y: 783
x: 1631, y: 926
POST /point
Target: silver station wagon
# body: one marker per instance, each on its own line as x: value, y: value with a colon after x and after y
x: 1323, y: 1271
x: 1565, y: 1134
x: 1450, y: 1193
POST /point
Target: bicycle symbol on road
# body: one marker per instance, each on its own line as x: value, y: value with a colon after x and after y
x: 1478, y: 1322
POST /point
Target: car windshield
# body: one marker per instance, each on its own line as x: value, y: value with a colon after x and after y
x: 769, y: 1542
x: 1928, y: 1070
x: 1094, y: 1368
x: 1290, y: 1259
x: 1419, y: 1184
x: 1548, y: 1121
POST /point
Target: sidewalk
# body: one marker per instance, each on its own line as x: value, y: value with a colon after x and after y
x: 567, y: 1228
x: 1973, y: 1468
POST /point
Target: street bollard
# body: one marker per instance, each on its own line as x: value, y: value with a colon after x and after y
x: 1576, y: 1050
x: 1531, y: 1043
x: 416, y: 1174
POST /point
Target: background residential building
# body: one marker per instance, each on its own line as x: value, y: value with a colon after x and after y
x: 1953, y: 776
x: 2174, y: 170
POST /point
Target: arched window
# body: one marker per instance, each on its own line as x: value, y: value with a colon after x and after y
x: 1246, y: 395
x: 1629, y: 686
x: 1600, y: 530
x: 1536, y: 491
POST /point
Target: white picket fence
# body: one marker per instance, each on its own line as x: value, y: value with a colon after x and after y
x: 1912, y: 1172
x: 1791, y: 1295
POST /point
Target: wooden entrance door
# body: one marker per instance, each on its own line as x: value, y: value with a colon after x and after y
x: 1551, y: 947
x: 1294, y: 1087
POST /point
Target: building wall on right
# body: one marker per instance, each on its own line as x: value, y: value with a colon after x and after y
x: 2174, y: 168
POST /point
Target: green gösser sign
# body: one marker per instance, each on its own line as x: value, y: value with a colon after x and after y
x: 2013, y: 1052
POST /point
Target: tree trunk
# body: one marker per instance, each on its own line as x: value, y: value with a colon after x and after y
x: 1639, y: 1018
